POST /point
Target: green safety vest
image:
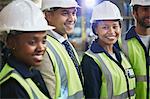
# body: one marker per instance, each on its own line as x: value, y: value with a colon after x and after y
x: 136, y: 55
x: 30, y: 87
x: 113, y: 79
x: 63, y: 65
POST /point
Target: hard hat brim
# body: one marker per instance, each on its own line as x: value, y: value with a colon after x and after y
x: 28, y: 29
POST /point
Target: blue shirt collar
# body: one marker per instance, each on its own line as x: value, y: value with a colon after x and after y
x: 23, y: 69
x: 131, y: 33
x: 96, y: 48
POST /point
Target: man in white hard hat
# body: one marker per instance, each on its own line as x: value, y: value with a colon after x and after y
x: 25, y: 26
x: 60, y: 67
x: 136, y: 45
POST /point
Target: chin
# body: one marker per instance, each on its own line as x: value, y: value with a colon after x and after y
x: 69, y: 31
x: 111, y: 43
x: 36, y: 64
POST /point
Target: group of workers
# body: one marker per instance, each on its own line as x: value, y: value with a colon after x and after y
x: 39, y: 62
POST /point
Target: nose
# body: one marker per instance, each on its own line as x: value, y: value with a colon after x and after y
x: 41, y: 47
x: 71, y: 17
x: 111, y: 31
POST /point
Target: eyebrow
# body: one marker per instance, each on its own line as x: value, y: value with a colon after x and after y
x: 68, y: 9
x: 37, y: 37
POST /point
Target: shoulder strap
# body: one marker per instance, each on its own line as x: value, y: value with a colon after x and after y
x: 11, y: 73
x: 124, y: 45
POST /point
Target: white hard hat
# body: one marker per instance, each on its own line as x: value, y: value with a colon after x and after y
x: 140, y: 2
x: 106, y: 10
x: 23, y: 15
x: 47, y: 4
x: 38, y: 3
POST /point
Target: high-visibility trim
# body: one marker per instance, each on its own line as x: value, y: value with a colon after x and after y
x: 124, y: 95
x: 30, y: 87
x: 5, y: 77
x: 74, y: 85
x: 19, y: 79
x: 35, y: 89
x: 105, y: 70
x: 142, y: 78
x: 124, y: 46
x: 62, y: 72
x: 54, y: 62
x: 77, y: 95
x: 5, y: 71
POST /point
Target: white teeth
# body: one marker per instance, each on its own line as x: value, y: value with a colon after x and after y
x: 70, y: 25
x: 38, y: 57
x: 111, y: 37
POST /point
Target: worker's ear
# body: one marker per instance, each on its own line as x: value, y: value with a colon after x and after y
x: 10, y: 42
x: 48, y: 16
x: 96, y: 30
x: 134, y: 13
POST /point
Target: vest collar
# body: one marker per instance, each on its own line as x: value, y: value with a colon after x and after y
x: 131, y: 33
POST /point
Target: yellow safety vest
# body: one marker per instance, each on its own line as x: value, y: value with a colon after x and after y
x: 136, y: 55
x: 30, y: 87
x: 114, y: 84
x: 64, y: 66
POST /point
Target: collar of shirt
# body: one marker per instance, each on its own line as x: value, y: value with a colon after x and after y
x: 96, y: 48
x: 57, y: 36
x: 131, y: 33
x: 145, y: 40
x: 23, y: 69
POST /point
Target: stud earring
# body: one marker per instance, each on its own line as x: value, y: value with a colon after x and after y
x: 13, y: 48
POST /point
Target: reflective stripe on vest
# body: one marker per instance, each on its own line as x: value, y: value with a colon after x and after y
x: 124, y: 47
x: 136, y: 55
x: 61, y: 60
x: 109, y: 87
x: 30, y: 87
x: 142, y: 79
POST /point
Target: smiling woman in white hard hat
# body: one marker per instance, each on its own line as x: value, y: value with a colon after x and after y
x: 136, y: 45
x: 26, y: 28
x: 107, y: 73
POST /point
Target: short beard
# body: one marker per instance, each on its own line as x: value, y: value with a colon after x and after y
x: 143, y: 24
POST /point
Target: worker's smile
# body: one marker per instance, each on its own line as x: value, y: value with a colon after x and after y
x: 111, y: 37
x: 38, y: 58
x: 69, y: 26
x: 147, y: 20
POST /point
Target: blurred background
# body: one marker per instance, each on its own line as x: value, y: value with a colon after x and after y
x: 83, y: 36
